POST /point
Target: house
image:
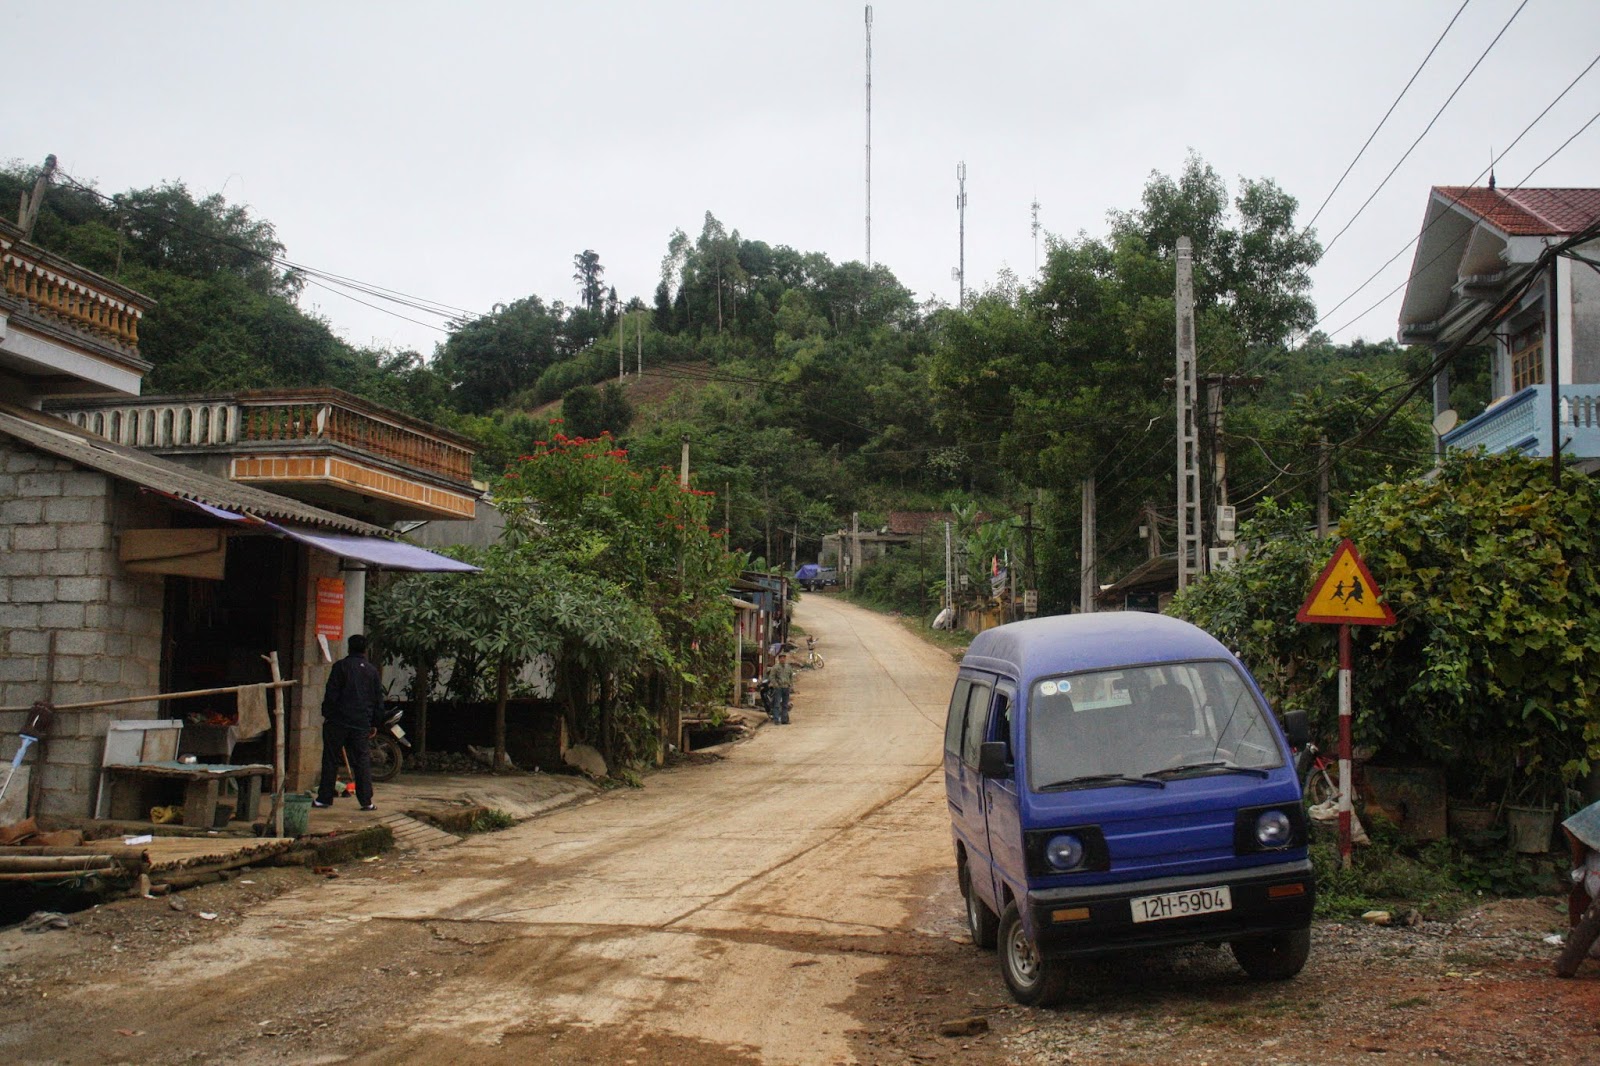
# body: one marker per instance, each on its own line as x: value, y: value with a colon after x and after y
x: 162, y: 545
x: 1472, y: 273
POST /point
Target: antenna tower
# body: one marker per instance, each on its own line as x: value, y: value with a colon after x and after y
x: 961, y: 210
x: 1034, y: 207
x: 869, y: 136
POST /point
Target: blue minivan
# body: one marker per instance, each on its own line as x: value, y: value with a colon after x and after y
x: 1117, y: 781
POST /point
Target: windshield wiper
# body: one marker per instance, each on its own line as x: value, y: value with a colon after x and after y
x: 1220, y: 765
x: 1096, y: 780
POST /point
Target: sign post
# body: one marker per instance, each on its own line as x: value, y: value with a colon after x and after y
x: 1345, y: 595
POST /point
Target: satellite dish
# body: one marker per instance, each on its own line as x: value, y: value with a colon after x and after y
x: 1445, y: 421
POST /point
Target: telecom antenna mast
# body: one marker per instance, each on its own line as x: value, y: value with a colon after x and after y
x: 961, y: 211
x: 1191, y: 557
x: 869, y: 136
x: 1034, y: 207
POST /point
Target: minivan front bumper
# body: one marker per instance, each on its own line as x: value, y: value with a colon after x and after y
x: 1092, y: 919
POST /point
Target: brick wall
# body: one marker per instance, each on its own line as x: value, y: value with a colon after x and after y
x: 59, y: 573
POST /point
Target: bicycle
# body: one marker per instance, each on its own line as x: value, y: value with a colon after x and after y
x: 813, y: 659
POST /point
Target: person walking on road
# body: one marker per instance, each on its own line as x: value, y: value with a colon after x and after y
x: 352, y: 707
x: 780, y: 680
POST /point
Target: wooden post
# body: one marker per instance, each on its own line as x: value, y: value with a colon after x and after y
x: 278, y: 744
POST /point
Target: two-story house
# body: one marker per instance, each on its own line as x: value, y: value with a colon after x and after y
x: 1470, y: 281
x: 166, y: 544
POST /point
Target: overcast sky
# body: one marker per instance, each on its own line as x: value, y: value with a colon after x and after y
x: 465, y: 152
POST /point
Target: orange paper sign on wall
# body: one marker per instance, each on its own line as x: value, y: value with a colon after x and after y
x: 1345, y: 593
x: 330, y: 608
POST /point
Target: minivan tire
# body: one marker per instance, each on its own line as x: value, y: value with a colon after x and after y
x: 981, y: 921
x: 1275, y: 957
x: 1034, y: 980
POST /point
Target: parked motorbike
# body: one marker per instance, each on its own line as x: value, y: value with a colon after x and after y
x: 389, y: 746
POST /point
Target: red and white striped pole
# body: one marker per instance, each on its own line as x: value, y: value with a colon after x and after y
x: 1344, y: 746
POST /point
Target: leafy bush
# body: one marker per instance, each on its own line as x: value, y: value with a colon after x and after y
x: 492, y: 820
x: 1493, y: 667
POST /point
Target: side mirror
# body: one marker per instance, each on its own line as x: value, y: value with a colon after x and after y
x: 1295, y: 728
x: 993, y: 759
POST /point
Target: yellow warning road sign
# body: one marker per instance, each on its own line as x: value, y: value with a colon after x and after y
x: 1346, y: 594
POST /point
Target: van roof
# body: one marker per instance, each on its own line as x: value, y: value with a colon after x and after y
x: 1069, y: 642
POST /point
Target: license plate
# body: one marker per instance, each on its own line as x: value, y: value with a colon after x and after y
x: 1182, y: 904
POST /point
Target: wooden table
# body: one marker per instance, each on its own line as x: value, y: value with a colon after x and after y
x: 201, y: 785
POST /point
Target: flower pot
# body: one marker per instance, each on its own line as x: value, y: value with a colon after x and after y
x: 1530, y: 829
x: 1468, y: 820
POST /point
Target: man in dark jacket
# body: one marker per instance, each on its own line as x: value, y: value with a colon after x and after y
x: 352, y: 709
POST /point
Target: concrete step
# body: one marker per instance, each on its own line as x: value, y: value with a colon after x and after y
x: 413, y: 835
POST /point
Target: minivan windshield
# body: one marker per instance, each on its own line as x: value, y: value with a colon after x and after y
x: 1146, y: 723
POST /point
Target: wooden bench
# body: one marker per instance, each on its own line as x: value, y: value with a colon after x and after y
x: 202, y: 784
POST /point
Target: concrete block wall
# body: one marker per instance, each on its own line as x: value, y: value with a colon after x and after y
x: 59, y: 573
x: 303, y: 757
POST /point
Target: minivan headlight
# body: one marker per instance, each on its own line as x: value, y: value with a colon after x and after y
x: 1064, y: 852
x: 1273, y: 829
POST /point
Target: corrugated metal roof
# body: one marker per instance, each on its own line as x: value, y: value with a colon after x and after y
x: 65, y: 441
x: 1528, y: 212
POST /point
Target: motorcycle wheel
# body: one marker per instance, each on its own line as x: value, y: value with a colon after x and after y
x: 386, y: 757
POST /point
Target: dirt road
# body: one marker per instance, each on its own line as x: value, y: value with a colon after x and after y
x: 724, y: 913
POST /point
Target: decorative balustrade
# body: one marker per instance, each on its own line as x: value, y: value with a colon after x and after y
x: 338, y: 424
x: 201, y: 422
x: 1522, y: 422
x: 75, y: 302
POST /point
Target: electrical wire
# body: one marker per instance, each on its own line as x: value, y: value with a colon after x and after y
x: 1456, y: 200
x: 1407, y: 154
x: 1386, y: 114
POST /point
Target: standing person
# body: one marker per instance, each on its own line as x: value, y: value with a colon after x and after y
x: 781, y: 680
x: 352, y: 707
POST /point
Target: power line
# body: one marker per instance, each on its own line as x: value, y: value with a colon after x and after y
x: 1452, y: 245
x: 1478, y: 177
x: 1387, y: 113
x: 1425, y: 129
x: 416, y: 303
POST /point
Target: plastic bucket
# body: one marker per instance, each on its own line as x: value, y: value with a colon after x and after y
x: 1529, y: 829
x: 296, y: 813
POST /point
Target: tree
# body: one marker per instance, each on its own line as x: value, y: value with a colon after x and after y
x: 489, y: 359
x: 587, y: 275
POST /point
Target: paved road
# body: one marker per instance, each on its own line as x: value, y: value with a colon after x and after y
x: 724, y: 913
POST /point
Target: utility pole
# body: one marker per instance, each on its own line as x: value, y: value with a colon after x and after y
x: 1027, y: 545
x: 961, y: 214
x: 855, y: 549
x: 28, y: 211
x: 683, y: 467
x: 794, y: 548
x: 1553, y: 330
x: 1152, y: 532
x: 1322, y: 486
x: 869, y: 136
x: 638, y: 339
x: 1214, y: 384
x: 727, y: 511
x: 949, y: 570
x: 1088, y: 584
x: 622, y: 362
x: 1191, y: 552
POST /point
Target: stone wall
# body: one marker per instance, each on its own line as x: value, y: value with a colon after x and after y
x: 59, y: 573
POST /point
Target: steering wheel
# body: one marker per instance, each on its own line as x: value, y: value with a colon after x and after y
x: 1199, y: 755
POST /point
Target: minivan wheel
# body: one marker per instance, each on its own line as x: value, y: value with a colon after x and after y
x: 981, y: 921
x: 1276, y: 957
x: 1035, y: 981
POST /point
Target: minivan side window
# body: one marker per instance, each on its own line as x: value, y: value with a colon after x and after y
x: 955, y: 722
x: 977, y: 722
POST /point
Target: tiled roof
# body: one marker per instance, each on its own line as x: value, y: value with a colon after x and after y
x: 66, y: 441
x: 1528, y: 212
x: 917, y: 522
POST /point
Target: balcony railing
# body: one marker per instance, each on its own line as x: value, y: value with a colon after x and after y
x: 307, y: 417
x: 1522, y: 423
x: 76, y: 298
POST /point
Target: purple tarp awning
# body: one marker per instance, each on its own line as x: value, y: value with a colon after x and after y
x: 375, y: 551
